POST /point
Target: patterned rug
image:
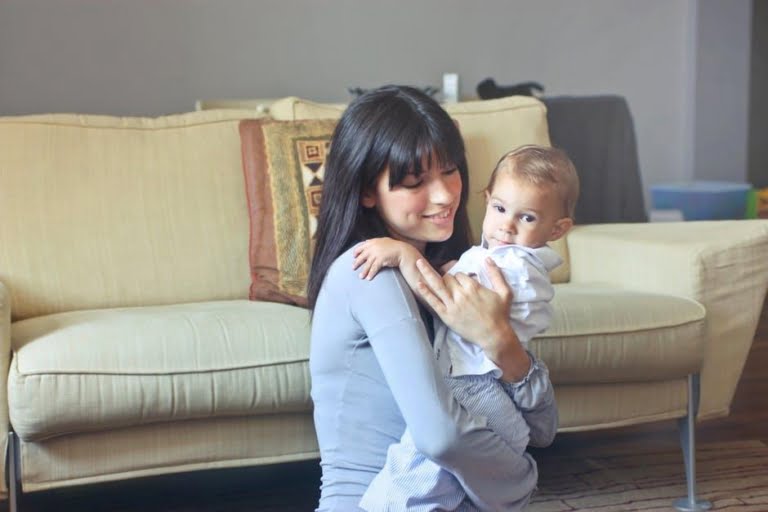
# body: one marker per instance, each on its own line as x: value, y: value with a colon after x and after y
x: 733, y: 476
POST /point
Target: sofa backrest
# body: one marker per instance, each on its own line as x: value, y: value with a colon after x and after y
x: 100, y: 211
x: 490, y: 129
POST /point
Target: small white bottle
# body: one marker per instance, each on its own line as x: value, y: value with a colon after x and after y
x: 450, y: 87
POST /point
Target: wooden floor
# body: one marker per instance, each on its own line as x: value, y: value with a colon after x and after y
x: 293, y: 487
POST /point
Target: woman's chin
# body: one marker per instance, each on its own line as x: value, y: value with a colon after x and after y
x: 441, y: 236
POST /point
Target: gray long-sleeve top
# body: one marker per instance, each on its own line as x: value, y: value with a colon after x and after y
x: 374, y: 372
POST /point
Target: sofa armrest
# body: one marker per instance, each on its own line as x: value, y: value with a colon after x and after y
x: 721, y: 264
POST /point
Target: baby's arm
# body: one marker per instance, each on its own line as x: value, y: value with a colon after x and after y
x: 377, y: 253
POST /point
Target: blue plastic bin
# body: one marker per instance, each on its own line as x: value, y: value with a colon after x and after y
x: 703, y: 200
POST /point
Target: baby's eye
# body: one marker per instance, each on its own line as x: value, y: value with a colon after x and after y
x: 499, y: 208
x: 527, y: 218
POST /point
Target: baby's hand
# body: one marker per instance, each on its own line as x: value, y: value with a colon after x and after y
x: 377, y: 253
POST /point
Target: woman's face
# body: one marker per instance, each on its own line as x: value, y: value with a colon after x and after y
x: 422, y: 208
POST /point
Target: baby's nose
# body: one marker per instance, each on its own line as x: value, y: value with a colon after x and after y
x: 509, y: 225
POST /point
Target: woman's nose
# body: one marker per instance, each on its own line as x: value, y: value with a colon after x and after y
x: 440, y: 191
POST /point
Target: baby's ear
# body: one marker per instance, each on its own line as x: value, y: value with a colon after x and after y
x: 561, y: 227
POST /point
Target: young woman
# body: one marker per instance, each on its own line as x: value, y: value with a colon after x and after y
x: 397, y: 168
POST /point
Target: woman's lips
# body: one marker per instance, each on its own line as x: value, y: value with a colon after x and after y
x: 442, y: 217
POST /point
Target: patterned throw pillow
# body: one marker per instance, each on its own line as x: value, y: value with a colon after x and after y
x: 283, y: 163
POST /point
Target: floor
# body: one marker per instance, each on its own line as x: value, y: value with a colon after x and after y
x: 293, y: 487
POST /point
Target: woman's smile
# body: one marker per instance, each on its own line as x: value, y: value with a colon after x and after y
x: 442, y: 216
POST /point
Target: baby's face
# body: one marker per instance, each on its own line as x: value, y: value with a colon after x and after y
x: 518, y: 212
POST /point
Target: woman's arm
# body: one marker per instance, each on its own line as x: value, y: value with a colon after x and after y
x: 494, y: 475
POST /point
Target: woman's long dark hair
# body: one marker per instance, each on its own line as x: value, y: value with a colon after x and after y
x: 395, y: 126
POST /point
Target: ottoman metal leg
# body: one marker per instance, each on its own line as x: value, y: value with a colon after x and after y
x: 687, y: 427
x: 14, y: 473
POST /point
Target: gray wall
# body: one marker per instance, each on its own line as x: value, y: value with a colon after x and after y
x: 149, y: 57
x: 721, y: 132
x: 758, y: 100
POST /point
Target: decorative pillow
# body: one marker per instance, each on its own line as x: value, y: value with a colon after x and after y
x: 283, y: 163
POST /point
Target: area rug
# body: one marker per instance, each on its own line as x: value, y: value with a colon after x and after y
x: 732, y: 475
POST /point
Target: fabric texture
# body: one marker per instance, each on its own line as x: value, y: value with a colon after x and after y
x: 283, y: 163
x: 101, y: 211
x: 410, y: 481
x: 163, y: 448
x: 526, y: 271
x: 5, y: 351
x: 720, y: 264
x: 604, y: 334
x: 597, y: 406
x: 598, y: 134
x: 113, y: 368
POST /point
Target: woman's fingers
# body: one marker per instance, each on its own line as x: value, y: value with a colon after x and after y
x: 432, y: 288
x: 432, y: 279
x: 466, y: 281
x: 428, y: 296
x: 499, y: 284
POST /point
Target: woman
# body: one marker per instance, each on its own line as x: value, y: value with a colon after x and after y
x: 397, y: 168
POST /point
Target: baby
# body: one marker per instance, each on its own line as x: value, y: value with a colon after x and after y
x: 530, y: 200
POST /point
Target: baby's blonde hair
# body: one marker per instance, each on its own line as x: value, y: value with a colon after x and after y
x: 542, y: 166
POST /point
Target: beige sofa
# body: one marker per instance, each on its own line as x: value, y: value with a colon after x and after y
x: 131, y: 350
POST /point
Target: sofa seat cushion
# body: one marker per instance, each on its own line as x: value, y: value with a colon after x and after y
x: 100, y: 369
x: 601, y: 334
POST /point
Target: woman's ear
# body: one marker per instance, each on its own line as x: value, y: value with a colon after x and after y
x: 368, y: 199
x: 561, y: 227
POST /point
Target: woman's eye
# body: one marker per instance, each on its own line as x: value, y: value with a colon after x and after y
x: 411, y: 181
x: 450, y: 171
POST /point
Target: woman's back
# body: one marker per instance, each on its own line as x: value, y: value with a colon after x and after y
x: 356, y: 417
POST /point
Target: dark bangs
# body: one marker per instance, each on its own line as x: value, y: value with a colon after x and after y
x: 418, y: 144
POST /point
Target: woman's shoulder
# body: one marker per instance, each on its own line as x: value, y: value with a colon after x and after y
x: 341, y: 268
x: 342, y: 274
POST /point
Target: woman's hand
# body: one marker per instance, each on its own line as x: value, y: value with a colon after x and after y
x: 477, y: 314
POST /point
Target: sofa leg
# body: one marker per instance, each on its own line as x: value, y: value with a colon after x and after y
x: 687, y: 427
x: 14, y: 473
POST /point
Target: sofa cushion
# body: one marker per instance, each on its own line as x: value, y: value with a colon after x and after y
x: 102, y: 211
x: 603, y: 334
x: 99, y: 369
x: 490, y: 129
x: 283, y: 164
